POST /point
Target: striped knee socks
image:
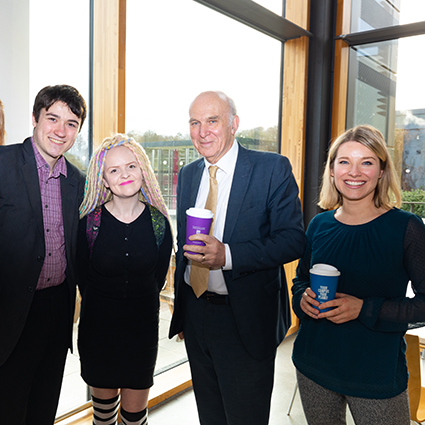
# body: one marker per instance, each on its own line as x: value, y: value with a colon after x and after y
x: 138, y: 418
x: 105, y: 412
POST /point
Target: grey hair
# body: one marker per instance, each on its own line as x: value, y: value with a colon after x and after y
x: 223, y: 96
x: 230, y: 102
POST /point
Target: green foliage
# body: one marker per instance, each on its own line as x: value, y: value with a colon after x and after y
x: 256, y: 138
x: 259, y: 133
x: 259, y: 138
x: 151, y: 136
x: 417, y: 195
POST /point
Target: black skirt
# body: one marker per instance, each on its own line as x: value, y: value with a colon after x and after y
x: 119, y: 283
x: 118, y: 341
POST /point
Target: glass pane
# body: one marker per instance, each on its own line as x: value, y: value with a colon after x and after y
x: 169, y: 62
x: 54, y: 60
x: 372, y: 84
x: 276, y: 6
x: 386, y: 90
x: 68, y: 58
x: 372, y: 14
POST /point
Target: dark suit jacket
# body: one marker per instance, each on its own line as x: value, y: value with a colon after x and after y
x: 264, y: 230
x: 22, y: 248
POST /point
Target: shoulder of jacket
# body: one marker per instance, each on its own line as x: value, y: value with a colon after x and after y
x: 263, y: 156
x: 11, y: 149
x: 193, y: 165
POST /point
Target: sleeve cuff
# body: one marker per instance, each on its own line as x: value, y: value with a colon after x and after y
x: 228, y: 265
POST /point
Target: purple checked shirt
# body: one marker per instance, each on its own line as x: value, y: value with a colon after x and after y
x: 54, y: 265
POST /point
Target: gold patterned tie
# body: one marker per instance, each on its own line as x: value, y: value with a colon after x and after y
x: 199, y: 273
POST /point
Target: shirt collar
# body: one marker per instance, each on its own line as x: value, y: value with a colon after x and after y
x: 60, y: 167
x: 228, y: 162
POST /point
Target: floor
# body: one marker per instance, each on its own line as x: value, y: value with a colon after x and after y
x: 182, y: 409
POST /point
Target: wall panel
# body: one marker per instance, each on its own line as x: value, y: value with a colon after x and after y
x: 294, y: 107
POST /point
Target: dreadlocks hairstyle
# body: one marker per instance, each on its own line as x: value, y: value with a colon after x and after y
x: 95, y: 192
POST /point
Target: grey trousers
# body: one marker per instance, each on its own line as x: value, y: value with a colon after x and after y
x: 324, y: 407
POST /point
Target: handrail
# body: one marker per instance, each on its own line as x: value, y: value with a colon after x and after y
x: 412, y: 204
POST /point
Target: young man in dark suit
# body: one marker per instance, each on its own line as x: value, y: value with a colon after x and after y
x: 234, y: 319
x: 40, y: 192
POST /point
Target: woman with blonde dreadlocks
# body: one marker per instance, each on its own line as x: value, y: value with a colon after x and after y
x: 124, y: 249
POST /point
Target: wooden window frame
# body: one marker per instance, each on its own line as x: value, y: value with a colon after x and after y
x: 108, y: 105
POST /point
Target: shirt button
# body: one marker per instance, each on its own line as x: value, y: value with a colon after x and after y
x: 126, y: 239
x: 46, y: 206
x: 126, y: 254
x: 40, y: 259
x: 30, y: 288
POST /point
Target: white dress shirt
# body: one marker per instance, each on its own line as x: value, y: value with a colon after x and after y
x: 226, y: 168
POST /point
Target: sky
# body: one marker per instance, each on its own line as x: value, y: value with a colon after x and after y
x: 410, y: 92
x: 59, y: 45
x: 176, y: 49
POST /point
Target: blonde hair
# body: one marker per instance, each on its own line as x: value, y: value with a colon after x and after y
x: 95, y: 191
x: 387, y: 192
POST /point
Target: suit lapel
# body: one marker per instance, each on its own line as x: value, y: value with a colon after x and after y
x: 241, y: 178
x: 196, y: 181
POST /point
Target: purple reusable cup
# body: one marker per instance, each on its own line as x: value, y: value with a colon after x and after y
x: 198, y: 221
x: 323, y: 282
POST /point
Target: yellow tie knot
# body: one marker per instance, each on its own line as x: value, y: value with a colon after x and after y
x: 213, y: 170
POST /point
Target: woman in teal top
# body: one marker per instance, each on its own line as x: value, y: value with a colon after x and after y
x: 355, y: 353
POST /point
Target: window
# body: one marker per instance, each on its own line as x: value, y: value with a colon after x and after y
x: 59, y: 54
x: 276, y: 6
x: 175, y: 50
x: 202, y: 50
x: 372, y: 87
x: 385, y: 90
x: 372, y: 14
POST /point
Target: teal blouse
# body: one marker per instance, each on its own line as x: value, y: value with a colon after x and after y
x: 363, y: 357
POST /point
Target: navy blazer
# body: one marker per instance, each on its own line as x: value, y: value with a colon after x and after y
x: 264, y: 230
x: 22, y: 246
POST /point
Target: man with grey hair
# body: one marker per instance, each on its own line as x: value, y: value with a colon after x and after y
x: 231, y: 300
